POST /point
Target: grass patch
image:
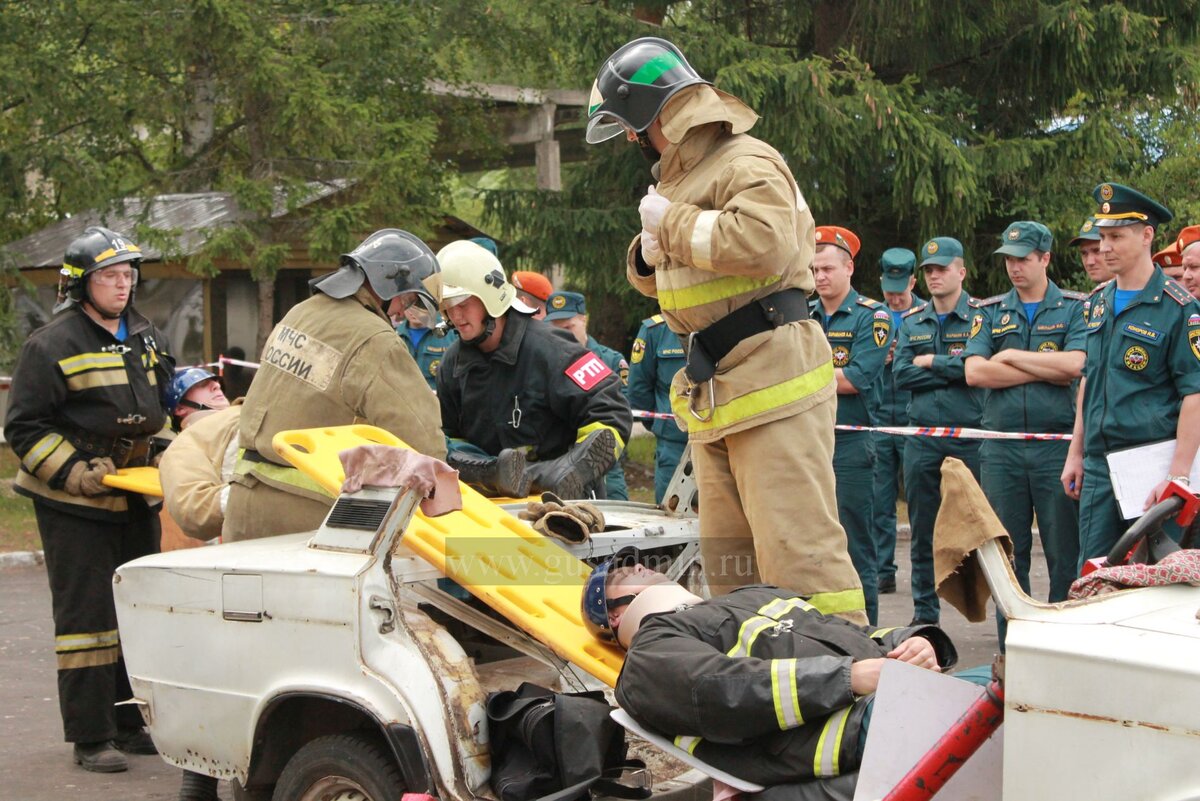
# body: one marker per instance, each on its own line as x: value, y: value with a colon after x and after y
x: 18, y: 528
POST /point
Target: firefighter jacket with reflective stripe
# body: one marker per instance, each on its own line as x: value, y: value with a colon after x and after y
x: 757, y: 683
x: 738, y: 229
x: 76, y: 391
x: 539, y: 391
x: 195, y: 472
x: 333, y: 362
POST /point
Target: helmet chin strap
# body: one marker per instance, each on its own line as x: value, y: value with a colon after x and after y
x: 489, y: 328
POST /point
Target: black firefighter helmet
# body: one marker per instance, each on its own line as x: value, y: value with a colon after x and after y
x: 94, y: 250
x: 392, y: 262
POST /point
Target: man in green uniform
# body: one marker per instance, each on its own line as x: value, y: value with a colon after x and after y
x: 1141, y: 380
x: 425, y: 343
x: 859, y: 331
x: 1088, y: 242
x: 1027, y: 349
x: 657, y: 356
x: 568, y: 311
x: 891, y: 409
x: 929, y: 363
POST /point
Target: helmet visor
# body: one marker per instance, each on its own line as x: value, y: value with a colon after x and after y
x: 603, y: 127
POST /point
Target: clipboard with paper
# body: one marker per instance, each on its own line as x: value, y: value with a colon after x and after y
x: 1136, y: 471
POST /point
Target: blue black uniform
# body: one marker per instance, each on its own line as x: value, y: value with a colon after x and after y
x: 657, y: 356
x: 615, y: 488
x: 427, y: 349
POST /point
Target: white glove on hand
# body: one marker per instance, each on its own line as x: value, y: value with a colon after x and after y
x: 651, y: 251
x: 652, y: 208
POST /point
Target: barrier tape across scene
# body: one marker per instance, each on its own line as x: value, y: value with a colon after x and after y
x: 945, y: 432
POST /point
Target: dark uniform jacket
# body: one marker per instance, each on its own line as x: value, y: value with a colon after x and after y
x: 540, y: 391
x: 428, y: 352
x: 889, y: 403
x: 757, y: 683
x: 859, y: 333
x: 657, y: 357
x: 78, y: 393
x: 940, y: 395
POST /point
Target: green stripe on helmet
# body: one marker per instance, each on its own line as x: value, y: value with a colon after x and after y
x: 653, y: 69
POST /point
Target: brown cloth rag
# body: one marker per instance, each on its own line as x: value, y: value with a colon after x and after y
x: 965, y: 521
x: 1180, y: 567
x: 388, y: 466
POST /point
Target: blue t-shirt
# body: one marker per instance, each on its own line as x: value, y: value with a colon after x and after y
x: 897, y: 318
x: 1031, y: 309
x: 415, y: 335
x: 1122, y: 299
x: 122, y: 330
x: 942, y: 318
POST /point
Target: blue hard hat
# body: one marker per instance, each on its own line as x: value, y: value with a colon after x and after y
x: 183, y: 381
x: 593, y: 606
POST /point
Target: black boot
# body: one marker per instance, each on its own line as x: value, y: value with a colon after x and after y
x: 502, y: 475
x: 569, y: 475
x: 100, y: 757
x: 197, y: 787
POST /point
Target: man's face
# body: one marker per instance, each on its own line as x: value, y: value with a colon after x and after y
x: 1028, y: 272
x: 624, y: 584
x: 109, y: 288
x: 418, y: 317
x: 944, y: 282
x: 1191, y: 269
x: 901, y: 301
x: 398, y: 306
x: 1174, y: 272
x: 207, y: 393
x: 577, y: 325
x: 832, y: 268
x: 1123, y: 247
x: 533, y: 302
x: 1093, y: 263
x: 468, y: 317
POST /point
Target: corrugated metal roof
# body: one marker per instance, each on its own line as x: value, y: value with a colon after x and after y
x: 187, y: 215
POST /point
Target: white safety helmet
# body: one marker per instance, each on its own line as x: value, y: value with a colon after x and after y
x: 472, y: 271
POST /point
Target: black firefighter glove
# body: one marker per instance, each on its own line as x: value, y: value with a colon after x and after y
x: 570, y: 522
x: 87, y: 478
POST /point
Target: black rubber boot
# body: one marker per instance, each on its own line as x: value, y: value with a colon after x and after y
x: 502, y: 475
x: 100, y: 757
x: 569, y: 475
x: 197, y: 787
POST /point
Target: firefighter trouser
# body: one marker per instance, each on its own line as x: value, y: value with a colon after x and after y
x: 923, y: 457
x: 768, y: 512
x: 667, y: 453
x: 1100, y: 521
x: 853, y: 466
x: 257, y: 509
x: 889, y: 465
x: 81, y: 556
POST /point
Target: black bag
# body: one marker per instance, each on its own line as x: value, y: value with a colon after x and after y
x: 549, y: 746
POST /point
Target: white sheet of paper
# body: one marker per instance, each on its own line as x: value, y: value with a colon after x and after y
x: 1135, y: 472
x: 913, y: 708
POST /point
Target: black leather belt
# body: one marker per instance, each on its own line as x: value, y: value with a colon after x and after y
x: 124, y: 451
x: 706, y: 348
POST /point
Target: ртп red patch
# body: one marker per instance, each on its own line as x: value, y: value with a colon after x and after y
x: 588, y: 371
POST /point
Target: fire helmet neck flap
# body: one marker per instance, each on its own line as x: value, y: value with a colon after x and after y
x: 94, y: 250
x: 634, y: 84
x: 392, y: 262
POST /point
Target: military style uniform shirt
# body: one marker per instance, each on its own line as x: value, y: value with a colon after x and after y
x: 612, y: 359
x: 890, y: 404
x: 859, y: 333
x: 1140, y: 365
x: 940, y: 395
x: 757, y: 682
x: 428, y: 352
x: 656, y: 357
x: 1058, y: 325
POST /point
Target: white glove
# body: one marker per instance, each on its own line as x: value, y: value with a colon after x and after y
x: 651, y: 251
x: 652, y: 208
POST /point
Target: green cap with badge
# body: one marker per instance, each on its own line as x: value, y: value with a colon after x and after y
x: 1120, y: 205
x: 1087, y: 233
x: 896, y: 267
x: 1023, y: 237
x: 941, y: 250
x: 565, y: 305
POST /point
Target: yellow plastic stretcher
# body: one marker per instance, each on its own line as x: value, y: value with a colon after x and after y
x: 136, y: 479
x: 498, y: 558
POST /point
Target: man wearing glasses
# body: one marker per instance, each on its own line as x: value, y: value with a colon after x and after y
x: 85, y: 400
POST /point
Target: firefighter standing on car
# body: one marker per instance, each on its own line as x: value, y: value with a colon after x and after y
x: 525, y: 408
x: 334, y: 360
x: 1026, y: 349
x: 656, y: 357
x: 859, y: 331
x: 726, y: 245
x: 897, y: 281
x: 85, y: 401
x: 929, y: 363
x: 1141, y: 381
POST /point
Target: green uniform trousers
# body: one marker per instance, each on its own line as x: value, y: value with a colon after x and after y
x: 853, y: 467
x: 667, y: 453
x: 923, y: 457
x: 889, y: 463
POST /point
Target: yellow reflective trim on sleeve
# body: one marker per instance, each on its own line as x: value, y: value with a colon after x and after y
x: 91, y: 361
x: 97, y: 378
x: 726, y: 286
x: 748, y: 633
x: 279, y: 474
x: 781, y: 606
x: 833, y: 603
x: 687, y: 743
x: 826, y: 757
x: 99, y: 657
x: 877, y: 633
x: 702, y: 232
x: 80, y: 642
x: 41, y: 451
x: 784, y: 693
x: 759, y: 401
x: 584, y: 432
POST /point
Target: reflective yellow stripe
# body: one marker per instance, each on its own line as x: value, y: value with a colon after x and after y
x: 833, y: 603
x: 584, y: 432
x: 91, y: 361
x: 826, y: 757
x: 41, y: 451
x: 97, y: 378
x: 279, y: 474
x: 687, y: 743
x: 86, y: 659
x: 702, y: 233
x: 748, y: 634
x: 877, y: 633
x: 759, y: 401
x: 79, y: 642
x: 781, y: 606
x: 726, y: 286
x: 784, y: 693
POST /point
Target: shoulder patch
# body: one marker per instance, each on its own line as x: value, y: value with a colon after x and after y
x: 587, y: 371
x: 994, y: 299
x: 870, y: 303
x: 653, y: 320
x: 1100, y: 287
x: 1177, y: 293
x: 915, y: 310
x: 1071, y: 294
x: 974, y: 303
